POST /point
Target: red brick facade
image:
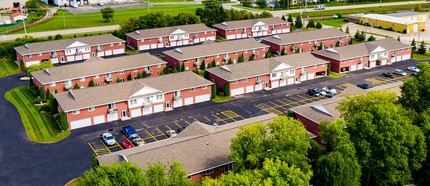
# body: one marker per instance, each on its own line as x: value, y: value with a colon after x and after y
x: 248, y: 32
x: 310, y: 126
x: 307, y: 46
x: 213, y: 173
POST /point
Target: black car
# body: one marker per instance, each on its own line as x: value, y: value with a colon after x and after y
x: 388, y: 74
x: 364, y: 86
x: 330, y: 94
x: 314, y: 92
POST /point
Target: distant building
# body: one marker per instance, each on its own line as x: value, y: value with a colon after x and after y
x: 10, y: 3
x: 5, y: 20
x: 406, y: 22
x: 18, y: 17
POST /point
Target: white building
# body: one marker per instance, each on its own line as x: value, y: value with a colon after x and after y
x: 9, y: 3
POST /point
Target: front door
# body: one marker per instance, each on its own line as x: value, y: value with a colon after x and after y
x: 168, y: 105
x: 124, y: 113
x: 266, y: 85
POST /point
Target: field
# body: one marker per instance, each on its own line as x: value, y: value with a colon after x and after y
x: 418, y: 56
x: 337, y: 23
x: 8, y: 67
x: 40, y: 127
x: 95, y: 19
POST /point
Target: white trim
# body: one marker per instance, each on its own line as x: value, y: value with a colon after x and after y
x: 221, y: 54
x: 204, y: 170
x: 309, y: 40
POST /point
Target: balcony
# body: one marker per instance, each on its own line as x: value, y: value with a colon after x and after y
x: 197, y: 63
x: 284, y: 77
x: 177, y: 97
x: 109, y: 79
x: 99, y: 49
x: 147, y: 104
x: 148, y: 71
x: 113, y: 110
x: 54, y: 55
x: 258, y: 81
x: 68, y: 86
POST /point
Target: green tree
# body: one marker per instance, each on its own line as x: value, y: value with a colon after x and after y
x: 107, y: 13
x: 284, y: 138
x: 42, y: 93
x: 175, y: 70
x: 58, y: 36
x: 213, y: 63
x: 389, y: 148
x: 37, y: 67
x: 414, y: 45
x: 283, y: 18
x: 422, y: 176
x: 311, y: 24
x: 269, y: 54
x: 252, y: 57
x: 203, y: 65
x: 290, y: 18
x: 226, y: 89
x: 129, y: 77
x: 241, y: 58
x: 371, y: 38
x: 318, y: 25
x: 91, y: 83
x: 214, y: 90
x: 186, y: 18
x: 118, y: 80
x: 52, y: 105
x: 139, y: 75
x: 182, y: 67
x: 284, y: 52
x: 347, y: 29
x: 229, y: 62
x: 144, y: 74
x: 64, y: 124
x: 263, y: 3
x: 357, y: 35
x: 298, y: 23
x: 166, y: 70
x: 209, y: 65
x: 423, y: 48
x: 415, y: 91
x: 94, y: 162
x: 398, y: 38
x: 76, y: 87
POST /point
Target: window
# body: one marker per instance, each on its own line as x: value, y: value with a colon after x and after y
x: 40, y: 54
x: 119, y: 43
x: 291, y: 71
x: 207, y: 57
x: 258, y: 78
x: 204, y: 87
x: 372, y: 56
x: 245, y: 80
x: 61, y: 58
x: 193, y: 89
x: 228, y: 167
x: 75, y: 112
x: 122, y: 72
x: 159, y: 66
x: 133, y: 102
x: 172, y: 37
x: 315, y: 66
x: 190, y: 177
x: 273, y: 75
x: 210, y: 171
x: 91, y: 109
x: 235, y: 82
x: 111, y: 44
x: 159, y: 97
x: 29, y: 56
x: 87, y: 48
x: 82, y: 79
x: 135, y: 70
x: 68, y: 50
x: 52, y: 84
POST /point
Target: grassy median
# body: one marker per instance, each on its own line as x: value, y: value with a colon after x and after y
x: 8, y: 67
x: 40, y: 127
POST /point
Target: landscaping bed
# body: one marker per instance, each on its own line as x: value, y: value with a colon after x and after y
x: 8, y: 67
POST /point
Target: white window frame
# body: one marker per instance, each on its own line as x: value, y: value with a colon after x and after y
x: 53, y: 84
x: 210, y: 171
x: 159, y: 97
x: 91, y: 109
x: 273, y: 75
x: 193, y: 89
x: 76, y: 112
x: 82, y: 79
x: 133, y: 102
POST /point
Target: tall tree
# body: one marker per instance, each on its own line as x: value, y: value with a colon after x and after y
x: 423, y: 48
x: 389, y: 148
x: 241, y: 58
x: 283, y: 18
x: 290, y: 18
x: 117, y: 174
x: 298, y: 23
x: 107, y: 13
x: 311, y: 24
x: 415, y: 90
x: 414, y: 45
x: 422, y: 176
x: 214, y: 90
x: 318, y: 25
x: 91, y: 83
x: 347, y: 29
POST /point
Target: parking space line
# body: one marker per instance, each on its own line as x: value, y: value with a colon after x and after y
x: 272, y: 110
x: 151, y: 135
x: 128, y: 140
x: 299, y: 100
x: 119, y: 145
x: 219, y: 119
x: 105, y: 146
x: 161, y: 132
x: 230, y: 114
x: 178, y: 125
x: 169, y: 127
x: 94, y: 150
x: 206, y: 118
x: 187, y: 122
x: 259, y: 107
x: 196, y: 120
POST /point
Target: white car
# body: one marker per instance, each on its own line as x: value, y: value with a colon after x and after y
x: 413, y: 69
x: 138, y: 141
x: 322, y: 92
x: 400, y: 72
x: 171, y: 133
x: 101, y: 4
x: 329, y: 89
x: 109, y: 139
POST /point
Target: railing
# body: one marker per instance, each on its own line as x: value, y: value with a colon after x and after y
x: 112, y: 110
x: 177, y: 97
x: 147, y: 104
x: 68, y: 86
x: 109, y: 79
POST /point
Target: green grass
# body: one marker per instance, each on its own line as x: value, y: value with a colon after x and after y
x: 337, y: 23
x: 334, y: 75
x: 8, y: 67
x: 40, y: 127
x: 220, y: 99
x: 74, y: 182
x: 95, y: 19
x: 418, y: 56
x: 130, y: 51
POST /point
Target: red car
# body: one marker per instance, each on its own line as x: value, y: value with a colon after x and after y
x: 126, y: 144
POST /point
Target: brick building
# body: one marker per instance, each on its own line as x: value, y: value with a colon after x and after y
x: 365, y: 55
x: 252, y: 28
x: 170, y: 36
x: 69, y: 50
x: 101, y: 71
x: 307, y: 41
x: 268, y: 73
x: 91, y: 106
x: 193, y: 56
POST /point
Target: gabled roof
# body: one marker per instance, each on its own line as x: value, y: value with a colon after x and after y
x: 96, y: 66
x: 49, y: 46
x: 305, y: 36
x: 214, y: 48
x: 265, y: 66
x: 249, y: 23
x: 165, y: 31
x: 95, y: 96
x: 362, y: 49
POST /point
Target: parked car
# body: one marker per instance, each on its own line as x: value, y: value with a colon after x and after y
x: 330, y: 94
x: 364, y: 86
x: 126, y: 144
x: 101, y: 4
x: 171, y: 133
x: 414, y: 73
x: 322, y: 92
x: 388, y: 74
x: 400, y: 72
x: 314, y: 92
x: 329, y: 89
x: 414, y: 69
x: 213, y: 122
x: 108, y: 139
x: 138, y: 141
x: 129, y: 132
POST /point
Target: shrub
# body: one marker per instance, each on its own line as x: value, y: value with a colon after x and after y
x: 226, y: 89
x: 371, y: 38
x: 91, y: 83
x: 404, y: 31
x: 58, y: 36
x: 319, y: 25
x: 213, y: 63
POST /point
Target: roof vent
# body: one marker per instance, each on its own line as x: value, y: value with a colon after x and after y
x: 224, y: 23
x: 225, y: 68
x: 276, y: 37
x: 178, y: 50
x: 332, y: 50
x: 47, y: 71
x: 322, y: 109
x: 71, y: 93
x: 137, y: 32
x: 26, y: 46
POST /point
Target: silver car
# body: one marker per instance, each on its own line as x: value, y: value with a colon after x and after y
x: 400, y: 72
x: 138, y: 141
x: 109, y: 139
x: 171, y: 133
x: 329, y: 89
x: 413, y: 69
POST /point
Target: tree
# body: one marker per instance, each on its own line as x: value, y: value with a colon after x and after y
x: 241, y: 58
x: 311, y: 24
x: 182, y: 67
x: 389, y: 148
x: 107, y: 13
x: 123, y: 173
x: 166, y: 70
x: 414, y: 45
x: 37, y: 67
x: 318, y: 25
x: 52, y: 104
x: 58, y: 36
x: 299, y: 23
x: 269, y: 54
x: 118, y: 80
x: 423, y: 48
x: 371, y: 38
x: 422, y: 120
x: 290, y: 18
x: 226, y: 89
x: 209, y: 65
x: 186, y: 18
x: 357, y: 35
x: 203, y: 65
x: 76, y: 87
x: 284, y: 52
x: 398, y: 38
x: 347, y: 29
x: 213, y: 63
x: 129, y: 77
x: 415, y: 92
x: 283, y: 18
x: 91, y: 83
x: 263, y: 3
x: 42, y: 93
x: 284, y: 138
x: 214, y: 90
x: 252, y: 57
x: 64, y: 124
x: 94, y: 162
x: 229, y: 62
x: 144, y: 74
x: 139, y: 75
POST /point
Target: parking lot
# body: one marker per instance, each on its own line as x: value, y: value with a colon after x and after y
x: 384, y: 80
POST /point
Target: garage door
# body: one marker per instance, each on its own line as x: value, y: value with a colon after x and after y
x: 196, y: 40
x: 393, y: 59
x: 360, y: 66
x: 384, y: 62
x: 189, y: 101
x: 244, y: 36
x: 237, y: 91
x: 99, y: 119
x: 203, y: 98
x: 202, y: 39
x: 144, y: 47
x: 285, y: 30
x: 399, y: 58
x: 27, y: 64
x: 290, y: 81
x: 302, y: 77
x: 108, y: 52
x: 158, y: 108
x: 172, y: 43
x: 283, y: 82
x: 87, y: 56
x: 153, y: 46
x: 112, y: 117
x: 118, y: 51
x: 353, y: 67
x: 185, y: 42
x: 54, y: 60
x: 250, y: 89
x: 213, y: 38
x: 372, y: 64
x: 275, y: 84
x: 177, y: 103
x: 311, y: 76
x: 80, y: 123
x: 406, y: 57
x: 136, y: 113
x: 238, y: 36
x: 258, y: 87
x: 70, y: 58
x: 231, y: 37
x: 79, y: 57
x: 100, y: 54
x: 160, y: 45
x: 147, y: 111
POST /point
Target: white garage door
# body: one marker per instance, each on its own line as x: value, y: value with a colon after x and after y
x: 144, y: 47
x: 203, y: 98
x: 384, y: 62
x: 185, y: 42
x: 136, y: 113
x: 189, y: 101
x: 179, y: 43
x: 70, y: 58
x: 399, y: 58
x: 80, y: 123
x: 196, y: 40
x: 108, y: 52
x: 79, y: 57
x: 353, y: 67
x: 372, y: 64
x: 424, y: 18
x: 54, y: 60
x: 290, y: 81
x: 100, y: 54
x: 177, y: 103
x: 153, y: 46
x: 160, y: 45
x: 258, y: 87
x: 237, y: 91
x: 393, y: 59
x: 283, y: 82
x: 202, y: 39
x: 118, y: 51
x: 302, y: 77
x: 244, y: 36
x: 311, y: 76
x: 238, y: 36
x: 158, y: 108
x: 213, y: 38
x: 250, y: 89
x: 231, y: 37
x: 112, y: 117
x: 172, y: 43
x: 360, y: 66
x: 407, y: 56
x: 99, y: 119
x: 27, y: 64
x: 285, y: 30
x: 87, y: 56
x: 147, y: 110
x: 275, y: 84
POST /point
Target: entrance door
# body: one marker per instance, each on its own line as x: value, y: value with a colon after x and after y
x: 124, y: 114
x: 168, y: 105
x: 266, y: 85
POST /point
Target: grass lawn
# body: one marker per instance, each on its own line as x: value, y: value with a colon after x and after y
x: 40, y: 127
x: 220, y: 99
x: 337, y: 23
x: 8, y: 67
x: 418, y: 56
x: 95, y: 19
x: 334, y: 75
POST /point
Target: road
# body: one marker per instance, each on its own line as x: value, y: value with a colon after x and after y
x: 27, y: 163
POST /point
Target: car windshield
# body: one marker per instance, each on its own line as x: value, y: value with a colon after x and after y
x: 109, y: 137
x: 131, y: 130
